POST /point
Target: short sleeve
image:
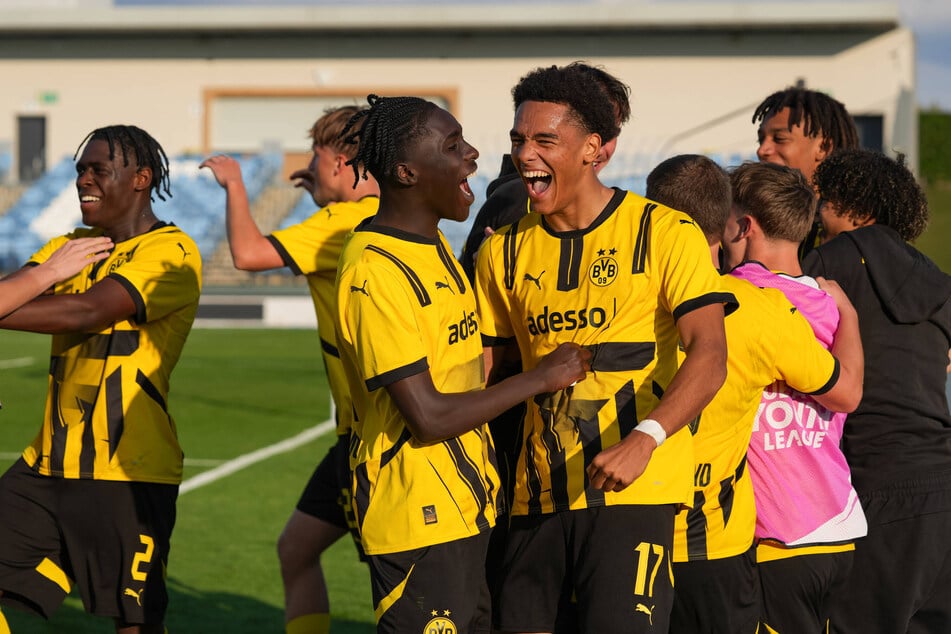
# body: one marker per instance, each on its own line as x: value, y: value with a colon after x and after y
x: 379, y: 314
x: 494, y: 314
x: 162, y: 275
x: 681, y: 256
x: 803, y: 362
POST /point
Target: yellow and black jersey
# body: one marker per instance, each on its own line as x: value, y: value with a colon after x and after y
x: 405, y: 307
x: 312, y: 248
x: 616, y: 287
x: 107, y: 409
x: 768, y: 340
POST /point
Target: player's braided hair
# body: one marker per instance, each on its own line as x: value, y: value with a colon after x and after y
x: 818, y: 113
x: 865, y: 184
x: 138, y: 142
x: 597, y: 100
x: 327, y: 131
x: 390, y: 124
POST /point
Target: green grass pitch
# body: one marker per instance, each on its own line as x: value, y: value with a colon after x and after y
x: 233, y: 392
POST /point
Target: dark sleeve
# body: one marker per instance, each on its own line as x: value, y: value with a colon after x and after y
x: 507, y: 204
x: 813, y: 265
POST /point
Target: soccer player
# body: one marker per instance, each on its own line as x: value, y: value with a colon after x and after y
x: 311, y: 248
x: 807, y: 514
x: 92, y: 500
x: 20, y: 287
x: 604, y: 463
x: 507, y: 201
x: 799, y: 128
x: 425, y: 482
x: 898, y: 441
x: 718, y: 588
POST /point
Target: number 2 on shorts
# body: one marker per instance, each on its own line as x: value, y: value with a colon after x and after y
x: 142, y: 558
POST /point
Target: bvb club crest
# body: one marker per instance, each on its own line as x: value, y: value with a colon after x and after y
x: 603, y: 270
x: 440, y: 625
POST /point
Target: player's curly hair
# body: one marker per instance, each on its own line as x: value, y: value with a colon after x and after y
x: 598, y: 101
x: 389, y: 126
x: 140, y: 144
x: 818, y: 113
x: 865, y: 184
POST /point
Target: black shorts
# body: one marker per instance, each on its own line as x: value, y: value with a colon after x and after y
x: 112, y: 538
x: 901, y: 573
x: 327, y: 494
x: 616, y: 559
x: 439, y: 588
x: 719, y: 596
x: 799, y: 592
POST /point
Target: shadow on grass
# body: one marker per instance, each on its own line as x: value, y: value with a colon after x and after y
x: 190, y: 612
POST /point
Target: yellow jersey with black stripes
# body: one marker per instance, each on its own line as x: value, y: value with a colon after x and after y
x: 617, y: 288
x: 107, y: 408
x: 768, y: 340
x: 405, y: 307
x: 312, y: 248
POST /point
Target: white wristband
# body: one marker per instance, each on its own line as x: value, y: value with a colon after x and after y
x: 653, y: 429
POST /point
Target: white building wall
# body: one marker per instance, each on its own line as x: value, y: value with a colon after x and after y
x: 709, y: 79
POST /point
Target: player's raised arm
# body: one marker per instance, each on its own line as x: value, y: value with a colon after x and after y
x: 250, y: 249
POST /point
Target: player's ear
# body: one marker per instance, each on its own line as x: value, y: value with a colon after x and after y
x: 142, y: 181
x: 592, y: 148
x: 745, y: 224
x: 340, y: 163
x: 405, y: 174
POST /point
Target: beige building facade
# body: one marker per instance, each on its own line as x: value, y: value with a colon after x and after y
x: 245, y: 78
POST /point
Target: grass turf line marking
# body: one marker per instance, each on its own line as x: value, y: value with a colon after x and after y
x: 20, y: 362
x: 248, y: 459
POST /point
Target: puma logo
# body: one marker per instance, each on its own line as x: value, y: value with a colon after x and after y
x: 360, y: 289
x: 686, y: 222
x: 185, y: 253
x: 534, y: 280
x: 445, y: 285
x: 129, y: 592
x: 640, y: 607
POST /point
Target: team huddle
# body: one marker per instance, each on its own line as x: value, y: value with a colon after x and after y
x: 718, y: 407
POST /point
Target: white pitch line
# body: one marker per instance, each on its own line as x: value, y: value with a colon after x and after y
x: 20, y: 362
x: 248, y: 459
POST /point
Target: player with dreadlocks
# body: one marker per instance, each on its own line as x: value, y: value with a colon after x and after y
x: 92, y: 499
x: 799, y: 128
x: 425, y: 482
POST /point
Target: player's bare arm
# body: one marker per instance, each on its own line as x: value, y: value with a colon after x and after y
x: 694, y: 385
x: 846, y: 394
x: 432, y: 416
x: 25, y: 284
x: 250, y: 249
x: 104, y: 303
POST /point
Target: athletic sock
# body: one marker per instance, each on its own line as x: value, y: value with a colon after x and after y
x: 318, y: 623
